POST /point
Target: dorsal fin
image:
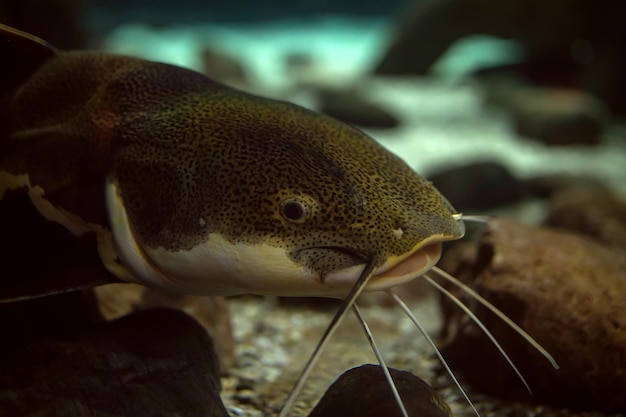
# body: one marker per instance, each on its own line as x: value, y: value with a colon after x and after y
x: 20, y: 55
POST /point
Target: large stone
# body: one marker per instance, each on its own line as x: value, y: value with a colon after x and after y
x: 577, y: 44
x: 224, y: 68
x: 64, y: 361
x: 352, y: 107
x: 478, y: 186
x: 594, y: 212
x: 547, y: 185
x: 364, y: 392
x: 557, y: 116
x: 564, y: 289
x: 212, y: 313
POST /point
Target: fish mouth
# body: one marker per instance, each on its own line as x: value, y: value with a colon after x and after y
x: 404, y: 269
x: 395, y: 270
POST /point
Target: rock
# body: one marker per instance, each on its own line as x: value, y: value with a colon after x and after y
x: 364, y: 392
x: 211, y: 312
x: 579, y: 46
x: 478, y: 186
x: 118, y: 300
x: 567, y: 292
x: 593, y: 212
x: 298, y: 64
x: 544, y: 186
x: 349, y: 106
x: 557, y: 116
x: 157, y: 362
x: 224, y: 68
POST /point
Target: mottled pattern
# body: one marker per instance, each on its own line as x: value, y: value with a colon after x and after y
x: 223, y: 161
x: 193, y: 157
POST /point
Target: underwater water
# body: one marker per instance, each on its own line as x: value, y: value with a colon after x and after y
x: 444, y: 121
x: 295, y: 51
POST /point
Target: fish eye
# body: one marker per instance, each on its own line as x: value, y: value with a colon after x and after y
x: 294, y: 210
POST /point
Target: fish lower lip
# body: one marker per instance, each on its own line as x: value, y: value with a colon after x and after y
x: 411, y: 267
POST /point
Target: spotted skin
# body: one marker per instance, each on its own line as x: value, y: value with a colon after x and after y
x: 191, y: 157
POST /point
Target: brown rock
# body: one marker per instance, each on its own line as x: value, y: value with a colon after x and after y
x: 224, y: 68
x: 566, y: 291
x: 593, y: 212
x: 299, y: 63
x: 351, y: 107
x: 482, y: 185
x: 58, y: 358
x: 557, y: 116
x: 212, y: 312
x: 364, y: 392
x: 546, y: 185
x: 577, y: 44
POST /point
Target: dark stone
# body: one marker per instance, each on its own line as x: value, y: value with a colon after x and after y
x: 211, y: 312
x: 364, y: 392
x: 351, y: 107
x: 576, y: 44
x: 158, y: 362
x: 544, y: 186
x: 224, y: 68
x: 115, y: 301
x: 567, y: 292
x: 478, y: 186
x: 557, y: 116
x: 298, y: 62
x: 593, y: 212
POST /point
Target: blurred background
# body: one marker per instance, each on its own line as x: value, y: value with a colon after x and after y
x: 500, y: 103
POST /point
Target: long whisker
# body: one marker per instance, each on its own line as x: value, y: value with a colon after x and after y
x: 472, y: 217
x: 443, y: 274
x: 381, y: 360
x: 356, y: 290
x: 424, y: 333
x: 482, y: 327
